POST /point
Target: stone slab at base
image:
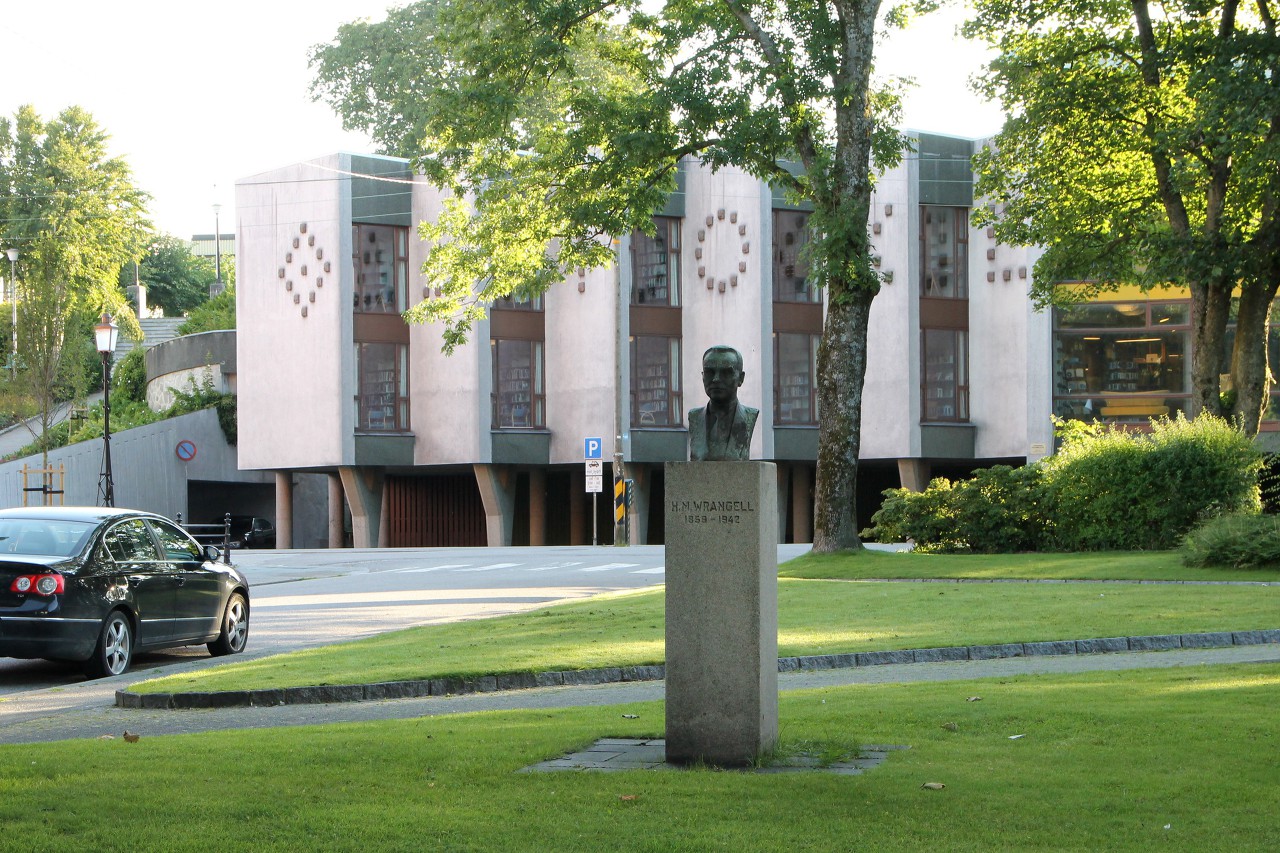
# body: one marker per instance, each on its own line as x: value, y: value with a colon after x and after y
x: 722, y: 611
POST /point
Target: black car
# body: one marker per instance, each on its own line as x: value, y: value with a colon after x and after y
x: 249, y: 531
x: 97, y: 585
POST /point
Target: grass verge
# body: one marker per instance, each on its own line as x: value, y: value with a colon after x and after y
x: 1105, y: 565
x: 1138, y: 760
x: 815, y: 617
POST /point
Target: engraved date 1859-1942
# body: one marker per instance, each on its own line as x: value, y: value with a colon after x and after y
x: 711, y: 511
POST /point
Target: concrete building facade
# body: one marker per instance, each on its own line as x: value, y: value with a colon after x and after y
x: 486, y: 445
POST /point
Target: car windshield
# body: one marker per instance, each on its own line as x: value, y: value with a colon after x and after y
x: 43, y: 537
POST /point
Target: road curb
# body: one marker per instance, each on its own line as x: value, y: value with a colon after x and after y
x: 378, y: 691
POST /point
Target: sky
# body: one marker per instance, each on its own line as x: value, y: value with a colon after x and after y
x: 198, y: 97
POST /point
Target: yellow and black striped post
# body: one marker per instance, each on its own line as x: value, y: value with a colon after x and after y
x: 619, y: 511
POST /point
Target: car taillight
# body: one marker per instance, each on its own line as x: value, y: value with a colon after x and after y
x: 40, y: 584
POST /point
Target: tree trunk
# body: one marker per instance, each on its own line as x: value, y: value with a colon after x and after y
x: 842, y: 367
x: 1249, y: 375
x: 1210, y: 310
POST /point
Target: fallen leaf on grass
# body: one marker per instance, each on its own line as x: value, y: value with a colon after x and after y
x: 106, y: 737
x: 630, y: 716
x: 974, y: 699
x: 933, y: 786
x: 130, y: 737
x: 1015, y: 737
x: 628, y: 798
x: 951, y: 727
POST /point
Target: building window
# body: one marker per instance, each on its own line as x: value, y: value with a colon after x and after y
x: 946, y: 369
x: 518, y: 303
x: 1122, y: 361
x: 944, y: 252
x: 795, y: 372
x: 381, y: 259
x: 791, y: 281
x: 656, y: 400
x: 383, y: 399
x: 518, y: 384
x: 655, y: 264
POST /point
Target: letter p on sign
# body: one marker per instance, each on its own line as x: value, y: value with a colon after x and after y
x: 594, y: 447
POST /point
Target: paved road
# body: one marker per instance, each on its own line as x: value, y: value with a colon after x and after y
x: 303, y: 599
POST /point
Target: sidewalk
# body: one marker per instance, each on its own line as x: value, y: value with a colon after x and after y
x: 108, y: 719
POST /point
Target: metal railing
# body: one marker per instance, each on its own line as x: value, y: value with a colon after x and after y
x: 211, y: 534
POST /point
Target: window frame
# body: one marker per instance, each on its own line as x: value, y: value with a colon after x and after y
x: 784, y: 391
x: 504, y: 413
x: 387, y: 394
x: 670, y: 394
x: 666, y: 250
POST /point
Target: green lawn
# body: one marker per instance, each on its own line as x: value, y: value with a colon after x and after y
x: 1106, y: 565
x: 1178, y: 759
x: 815, y: 617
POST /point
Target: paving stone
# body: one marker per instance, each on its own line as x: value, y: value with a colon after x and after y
x: 1058, y: 647
x: 1163, y: 642
x: 1002, y: 650
x: 1102, y: 645
x: 940, y: 655
x: 1213, y: 640
x: 882, y: 658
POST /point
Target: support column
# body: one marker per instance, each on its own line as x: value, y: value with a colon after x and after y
x: 284, y: 509
x: 801, y: 503
x: 498, y: 492
x: 579, y: 506
x: 336, y: 503
x: 364, y: 487
x: 784, y: 494
x: 641, y: 484
x: 914, y: 474
x: 537, y: 506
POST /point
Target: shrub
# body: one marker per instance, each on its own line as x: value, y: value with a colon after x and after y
x: 926, y: 518
x: 1105, y: 489
x: 1120, y: 490
x: 998, y: 510
x: 1234, y: 541
x: 129, y: 378
x: 213, y: 315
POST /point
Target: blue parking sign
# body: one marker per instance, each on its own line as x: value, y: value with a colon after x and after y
x: 594, y: 448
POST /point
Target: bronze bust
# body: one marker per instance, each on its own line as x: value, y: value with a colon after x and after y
x: 721, y: 431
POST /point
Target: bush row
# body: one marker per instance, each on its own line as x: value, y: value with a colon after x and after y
x: 1104, y: 489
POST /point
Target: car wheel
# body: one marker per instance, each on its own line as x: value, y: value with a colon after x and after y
x: 235, y: 628
x: 114, y: 651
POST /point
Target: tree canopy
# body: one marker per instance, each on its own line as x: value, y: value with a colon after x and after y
x: 75, y: 217
x: 176, y: 279
x: 556, y: 125
x: 1141, y: 147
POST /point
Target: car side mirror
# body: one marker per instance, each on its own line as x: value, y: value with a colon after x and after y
x: 212, y: 554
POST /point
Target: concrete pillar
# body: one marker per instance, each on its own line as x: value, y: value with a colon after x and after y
x: 284, y: 509
x: 498, y: 492
x: 537, y: 506
x: 801, y: 503
x: 579, y: 506
x: 914, y: 474
x: 784, y: 494
x: 641, y: 486
x: 336, y: 503
x: 364, y: 488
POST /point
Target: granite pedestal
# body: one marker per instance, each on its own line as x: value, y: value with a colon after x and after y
x: 722, y: 611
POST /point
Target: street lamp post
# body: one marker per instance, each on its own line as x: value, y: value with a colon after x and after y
x: 217, y: 252
x: 13, y: 303
x: 106, y: 333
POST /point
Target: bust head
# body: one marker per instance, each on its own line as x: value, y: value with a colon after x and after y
x: 722, y: 374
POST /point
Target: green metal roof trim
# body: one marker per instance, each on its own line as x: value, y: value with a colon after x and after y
x: 946, y: 170
x: 383, y: 197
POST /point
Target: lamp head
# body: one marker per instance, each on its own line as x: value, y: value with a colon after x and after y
x: 106, y: 333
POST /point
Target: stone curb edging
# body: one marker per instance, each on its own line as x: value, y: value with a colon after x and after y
x: 325, y: 694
